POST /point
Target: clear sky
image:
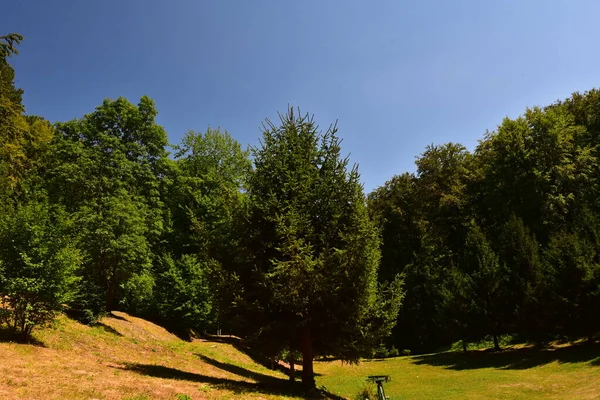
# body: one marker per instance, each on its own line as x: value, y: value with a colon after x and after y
x: 398, y: 75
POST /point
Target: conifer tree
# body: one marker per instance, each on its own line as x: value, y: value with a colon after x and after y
x: 312, y: 280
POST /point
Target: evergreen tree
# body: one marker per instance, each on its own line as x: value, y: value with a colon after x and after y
x: 312, y: 281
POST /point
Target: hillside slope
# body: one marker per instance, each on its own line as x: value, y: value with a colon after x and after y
x: 125, y: 357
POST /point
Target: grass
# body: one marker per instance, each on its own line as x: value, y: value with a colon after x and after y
x: 556, y: 372
x: 124, y: 357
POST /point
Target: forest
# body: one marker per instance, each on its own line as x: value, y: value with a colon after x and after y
x: 279, y: 244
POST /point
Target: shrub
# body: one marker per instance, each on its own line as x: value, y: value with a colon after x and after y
x: 366, y: 393
x: 383, y: 352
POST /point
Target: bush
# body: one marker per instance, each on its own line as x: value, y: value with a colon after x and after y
x: 383, y: 352
x: 366, y: 393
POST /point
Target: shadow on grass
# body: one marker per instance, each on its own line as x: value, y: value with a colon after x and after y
x: 6, y: 336
x: 514, y: 358
x: 115, y: 316
x: 107, y: 328
x: 255, y: 355
x: 266, y: 384
x: 241, y: 371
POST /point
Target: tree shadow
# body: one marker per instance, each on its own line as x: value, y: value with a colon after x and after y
x: 115, y: 316
x: 7, y: 336
x: 107, y: 328
x: 271, y: 385
x: 255, y: 355
x: 513, y: 358
x: 241, y: 371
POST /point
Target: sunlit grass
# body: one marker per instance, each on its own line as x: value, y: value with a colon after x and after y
x: 558, y: 372
x: 130, y: 358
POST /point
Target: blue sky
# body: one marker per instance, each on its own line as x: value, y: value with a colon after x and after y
x: 398, y: 75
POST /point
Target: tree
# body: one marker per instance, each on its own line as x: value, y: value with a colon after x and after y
x: 8, y: 44
x: 21, y: 137
x: 182, y: 295
x: 312, y: 280
x: 518, y: 252
x: 107, y: 171
x: 424, y: 219
x: 206, y: 202
x: 38, y: 260
x: 486, y: 281
x: 574, y: 283
x: 206, y: 197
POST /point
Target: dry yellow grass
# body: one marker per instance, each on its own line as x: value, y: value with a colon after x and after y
x: 129, y: 358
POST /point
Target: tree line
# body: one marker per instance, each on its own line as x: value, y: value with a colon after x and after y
x: 278, y: 244
x: 501, y: 240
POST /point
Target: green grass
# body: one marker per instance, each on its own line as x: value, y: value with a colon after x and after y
x: 568, y: 372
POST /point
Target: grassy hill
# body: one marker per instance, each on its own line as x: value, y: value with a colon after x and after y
x: 125, y: 357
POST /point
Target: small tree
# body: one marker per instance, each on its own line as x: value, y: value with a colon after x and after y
x: 37, y: 265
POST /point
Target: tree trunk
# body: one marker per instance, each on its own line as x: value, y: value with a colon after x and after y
x: 308, y: 376
x: 464, y: 345
x: 496, y: 345
x: 110, y: 295
x: 111, y: 292
x: 292, y: 366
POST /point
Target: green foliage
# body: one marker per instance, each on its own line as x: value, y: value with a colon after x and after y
x: 575, y: 293
x: 311, y: 283
x: 22, y: 138
x: 107, y: 173
x: 487, y: 342
x: 368, y: 392
x: 38, y: 261
x: 384, y: 352
x: 8, y: 44
x: 182, y: 293
x: 207, y: 204
x: 206, y: 196
x: 501, y: 240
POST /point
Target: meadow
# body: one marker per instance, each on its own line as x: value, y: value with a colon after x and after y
x: 128, y: 358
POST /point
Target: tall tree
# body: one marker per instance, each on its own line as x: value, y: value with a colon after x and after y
x: 313, y: 277
x: 486, y: 280
x: 206, y: 199
x: 21, y: 137
x: 207, y: 194
x: 107, y: 171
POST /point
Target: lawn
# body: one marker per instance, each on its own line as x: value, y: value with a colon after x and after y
x: 561, y: 372
x: 132, y: 359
